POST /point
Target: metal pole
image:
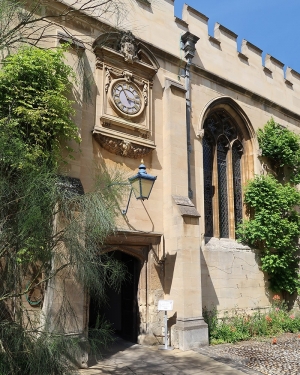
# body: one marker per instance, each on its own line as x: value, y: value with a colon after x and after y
x: 166, y: 330
x: 165, y: 346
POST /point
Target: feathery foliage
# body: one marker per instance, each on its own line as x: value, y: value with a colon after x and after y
x: 51, y: 233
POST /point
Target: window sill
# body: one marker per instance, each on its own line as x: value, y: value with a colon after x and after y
x: 226, y: 244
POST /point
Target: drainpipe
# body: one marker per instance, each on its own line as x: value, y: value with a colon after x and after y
x: 188, y: 45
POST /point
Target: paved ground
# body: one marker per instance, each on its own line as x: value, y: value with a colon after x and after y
x: 270, y: 356
x: 128, y: 359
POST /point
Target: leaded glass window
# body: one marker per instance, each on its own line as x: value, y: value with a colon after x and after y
x: 237, y: 182
x: 222, y: 150
x: 208, y: 188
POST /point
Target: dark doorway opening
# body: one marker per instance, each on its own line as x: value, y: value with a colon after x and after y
x: 121, y: 308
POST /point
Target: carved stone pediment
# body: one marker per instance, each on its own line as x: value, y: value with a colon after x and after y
x: 122, y: 49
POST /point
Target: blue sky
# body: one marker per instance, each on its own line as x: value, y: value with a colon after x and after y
x: 272, y: 25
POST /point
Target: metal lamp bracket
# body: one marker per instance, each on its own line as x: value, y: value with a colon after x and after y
x: 124, y: 212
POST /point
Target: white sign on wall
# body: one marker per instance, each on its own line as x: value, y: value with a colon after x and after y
x: 165, y: 305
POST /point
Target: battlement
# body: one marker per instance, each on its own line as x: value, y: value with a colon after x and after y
x: 241, y: 64
x: 226, y: 39
x: 220, y: 54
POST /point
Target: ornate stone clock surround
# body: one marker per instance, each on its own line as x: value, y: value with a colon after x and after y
x: 122, y: 57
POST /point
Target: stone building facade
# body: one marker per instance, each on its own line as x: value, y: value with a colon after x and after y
x: 195, y: 104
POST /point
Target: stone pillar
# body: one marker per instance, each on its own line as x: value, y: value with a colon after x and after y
x: 181, y: 227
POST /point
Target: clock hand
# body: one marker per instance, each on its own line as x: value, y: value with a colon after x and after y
x: 125, y: 94
x: 128, y: 98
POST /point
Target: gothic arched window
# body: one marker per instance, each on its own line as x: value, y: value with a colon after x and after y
x: 222, y: 164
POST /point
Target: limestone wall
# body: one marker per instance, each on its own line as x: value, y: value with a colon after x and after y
x: 231, y: 278
x: 230, y: 274
x: 155, y: 23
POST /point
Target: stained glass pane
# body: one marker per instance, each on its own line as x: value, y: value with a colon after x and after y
x: 222, y: 187
x: 237, y: 183
x: 208, y: 188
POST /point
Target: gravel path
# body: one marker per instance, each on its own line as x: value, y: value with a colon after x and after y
x: 260, y: 357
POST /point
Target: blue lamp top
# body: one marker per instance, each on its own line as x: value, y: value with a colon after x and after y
x: 143, y: 174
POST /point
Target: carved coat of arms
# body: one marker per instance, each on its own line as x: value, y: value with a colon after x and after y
x: 128, y: 47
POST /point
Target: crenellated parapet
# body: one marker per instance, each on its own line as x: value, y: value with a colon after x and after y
x: 220, y: 54
x: 242, y: 64
x: 292, y: 77
x: 226, y: 37
x: 274, y: 66
x: 251, y: 51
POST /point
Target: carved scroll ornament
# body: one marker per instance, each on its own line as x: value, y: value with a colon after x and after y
x: 107, y: 78
x: 122, y: 147
x: 145, y: 91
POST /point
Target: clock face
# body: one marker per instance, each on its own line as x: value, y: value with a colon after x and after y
x: 127, y: 98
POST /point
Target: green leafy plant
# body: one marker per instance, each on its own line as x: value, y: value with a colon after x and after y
x: 235, y: 326
x: 35, y: 113
x: 282, y: 146
x: 274, y: 223
x: 51, y: 233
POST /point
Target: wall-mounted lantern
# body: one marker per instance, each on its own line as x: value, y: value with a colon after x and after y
x: 141, y: 184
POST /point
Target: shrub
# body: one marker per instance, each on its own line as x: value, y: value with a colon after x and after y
x: 235, y: 326
x: 274, y: 224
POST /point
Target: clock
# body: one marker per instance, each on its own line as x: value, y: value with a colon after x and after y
x: 127, y: 98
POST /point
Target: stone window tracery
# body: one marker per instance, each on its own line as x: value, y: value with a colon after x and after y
x: 223, y: 153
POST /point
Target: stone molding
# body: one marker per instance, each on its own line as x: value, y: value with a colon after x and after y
x: 123, y: 144
x: 200, y: 134
x: 275, y: 61
x: 197, y: 13
x: 224, y: 30
x: 137, y: 244
x: 185, y: 206
x: 181, y: 22
x: 267, y: 70
x: 170, y: 83
x: 108, y: 120
x: 242, y: 56
x: 144, y: 2
x: 123, y: 236
x: 251, y: 46
x: 214, y: 40
x: 74, y: 42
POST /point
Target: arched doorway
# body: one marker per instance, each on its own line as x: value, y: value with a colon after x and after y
x: 121, y: 308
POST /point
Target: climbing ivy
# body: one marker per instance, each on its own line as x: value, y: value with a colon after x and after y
x: 282, y: 147
x: 274, y: 223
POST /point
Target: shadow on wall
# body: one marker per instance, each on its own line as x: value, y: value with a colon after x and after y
x: 166, y: 277
x: 209, y: 296
x: 171, y: 322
